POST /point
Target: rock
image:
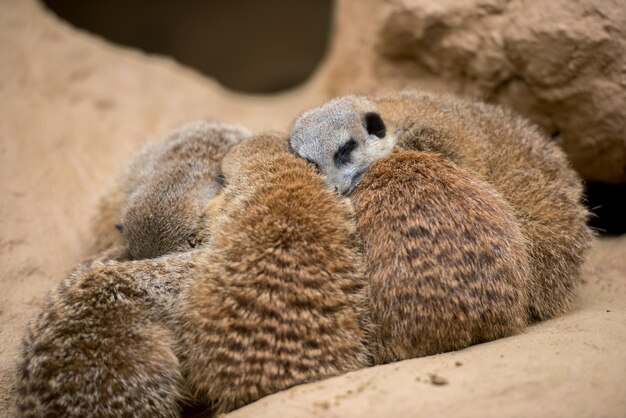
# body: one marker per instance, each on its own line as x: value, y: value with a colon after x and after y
x: 437, y: 380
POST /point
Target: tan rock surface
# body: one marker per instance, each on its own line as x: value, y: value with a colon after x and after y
x: 74, y: 109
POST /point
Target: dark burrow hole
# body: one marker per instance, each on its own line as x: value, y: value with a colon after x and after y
x: 251, y: 46
x: 607, y: 202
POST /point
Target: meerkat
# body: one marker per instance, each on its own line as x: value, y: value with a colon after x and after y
x: 103, y: 345
x: 158, y: 201
x: 346, y: 135
x: 281, y: 297
x: 445, y: 257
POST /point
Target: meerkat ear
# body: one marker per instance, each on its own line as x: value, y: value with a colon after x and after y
x: 375, y: 125
x: 119, y: 227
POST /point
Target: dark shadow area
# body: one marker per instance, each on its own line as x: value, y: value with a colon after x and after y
x: 193, y: 411
x: 255, y: 46
x: 608, y: 204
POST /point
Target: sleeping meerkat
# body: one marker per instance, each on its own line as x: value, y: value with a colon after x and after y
x: 159, y: 200
x: 102, y: 345
x: 344, y: 136
x: 281, y: 298
x: 445, y: 257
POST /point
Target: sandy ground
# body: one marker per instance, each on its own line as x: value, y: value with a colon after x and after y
x: 74, y: 109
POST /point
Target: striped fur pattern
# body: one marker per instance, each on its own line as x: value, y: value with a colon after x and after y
x: 445, y: 258
x: 494, y: 145
x: 103, y: 346
x: 280, y: 299
x: 531, y: 173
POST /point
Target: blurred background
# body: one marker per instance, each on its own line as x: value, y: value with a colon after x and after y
x: 247, y: 45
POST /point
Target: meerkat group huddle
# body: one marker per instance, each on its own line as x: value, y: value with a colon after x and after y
x: 234, y: 265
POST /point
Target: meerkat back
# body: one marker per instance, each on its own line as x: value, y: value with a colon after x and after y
x: 531, y: 173
x: 445, y: 257
x: 159, y: 200
x: 280, y: 300
x: 102, y: 345
x: 346, y: 135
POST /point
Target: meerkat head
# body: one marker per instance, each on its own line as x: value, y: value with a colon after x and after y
x: 167, y: 227
x: 342, y: 139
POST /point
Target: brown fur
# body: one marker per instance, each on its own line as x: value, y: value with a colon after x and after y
x: 103, y: 346
x: 445, y: 257
x: 280, y: 299
x: 493, y: 144
x: 532, y: 174
x: 159, y: 199
x: 106, y: 342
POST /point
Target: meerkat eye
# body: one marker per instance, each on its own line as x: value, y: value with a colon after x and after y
x: 119, y: 227
x: 343, y: 154
x: 220, y: 180
x: 191, y: 240
x: 317, y: 166
x: 375, y: 125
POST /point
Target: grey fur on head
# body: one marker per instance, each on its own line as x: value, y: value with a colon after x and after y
x: 354, y: 136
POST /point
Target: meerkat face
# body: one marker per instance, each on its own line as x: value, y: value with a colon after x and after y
x: 342, y: 139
